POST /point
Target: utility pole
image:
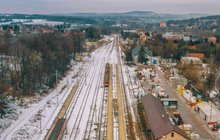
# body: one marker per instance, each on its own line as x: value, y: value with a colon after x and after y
x: 210, y: 111
x: 39, y: 115
x: 56, y: 85
x: 190, y: 94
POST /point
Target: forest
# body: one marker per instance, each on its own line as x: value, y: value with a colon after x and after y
x: 29, y: 63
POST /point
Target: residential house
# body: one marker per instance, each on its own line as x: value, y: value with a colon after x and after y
x: 198, y: 55
x: 163, y: 24
x: 172, y: 36
x: 130, y: 31
x: 186, y: 38
x: 191, y: 47
x: 143, y: 37
x: 190, y: 60
x: 10, y: 31
x: 158, y: 121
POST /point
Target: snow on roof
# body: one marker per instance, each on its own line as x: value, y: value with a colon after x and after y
x: 190, y: 59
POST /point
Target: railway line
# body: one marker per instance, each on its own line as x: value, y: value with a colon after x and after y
x: 102, y: 126
x: 62, y: 115
x: 90, y: 92
x: 99, y: 106
x: 92, y: 115
x: 117, y: 107
x: 72, y: 103
x: 128, y: 109
x: 40, y: 107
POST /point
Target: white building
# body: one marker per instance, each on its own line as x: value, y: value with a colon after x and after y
x: 208, y: 112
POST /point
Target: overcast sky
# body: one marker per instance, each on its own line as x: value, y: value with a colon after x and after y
x: 103, y: 6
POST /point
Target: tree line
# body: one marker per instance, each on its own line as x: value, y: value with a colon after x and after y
x: 30, y: 62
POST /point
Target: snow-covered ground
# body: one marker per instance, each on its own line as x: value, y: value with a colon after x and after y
x: 33, y: 120
x: 86, y: 115
x: 44, y: 22
x: 85, y: 107
x: 27, y: 122
x: 133, y: 89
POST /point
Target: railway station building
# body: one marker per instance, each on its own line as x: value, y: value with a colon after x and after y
x: 158, y: 121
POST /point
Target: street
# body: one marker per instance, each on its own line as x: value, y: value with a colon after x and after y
x: 189, y: 116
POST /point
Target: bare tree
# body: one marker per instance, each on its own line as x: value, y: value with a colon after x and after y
x: 18, y: 53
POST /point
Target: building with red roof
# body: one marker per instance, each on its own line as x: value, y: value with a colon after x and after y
x: 163, y: 24
x: 191, y: 47
x: 198, y: 55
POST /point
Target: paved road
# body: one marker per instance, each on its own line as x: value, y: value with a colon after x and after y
x: 187, y: 113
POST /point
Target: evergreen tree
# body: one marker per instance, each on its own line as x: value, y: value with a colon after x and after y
x: 128, y: 56
x: 142, y: 58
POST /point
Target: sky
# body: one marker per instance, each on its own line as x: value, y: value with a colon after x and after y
x: 109, y: 6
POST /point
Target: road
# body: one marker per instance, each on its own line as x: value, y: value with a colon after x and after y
x: 187, y: 113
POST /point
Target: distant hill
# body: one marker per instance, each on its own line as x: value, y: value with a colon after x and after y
x: 134, y: 14
x: 134, y: 19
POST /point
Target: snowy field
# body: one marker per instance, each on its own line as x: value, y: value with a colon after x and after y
x: 44, y: 22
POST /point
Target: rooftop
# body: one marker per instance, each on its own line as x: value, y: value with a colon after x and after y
x: 158, y: 119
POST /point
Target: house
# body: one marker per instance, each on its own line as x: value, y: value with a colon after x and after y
x: 190, y: 60
x: 11, y: 31
x: 143, y: 37
x: 135, y: 53
x: 172, y: 36
x: 130, y: 31
x: 212, y: 40
x: 191, y: 47
x: 198, y: 55
x: 163, y: 24
x: 158, y: 121
x: 186, y: 38
x: 208, y: 112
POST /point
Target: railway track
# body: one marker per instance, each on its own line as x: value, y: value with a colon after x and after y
x: 131, y: 128
x: 102, y: 129
x: 87, y: 95
x: 92, y: 114
x: 64, y: 110
x: 41, y: 106
x: 75, y: 129
x: 82, y: 105
x: 103, y: 116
